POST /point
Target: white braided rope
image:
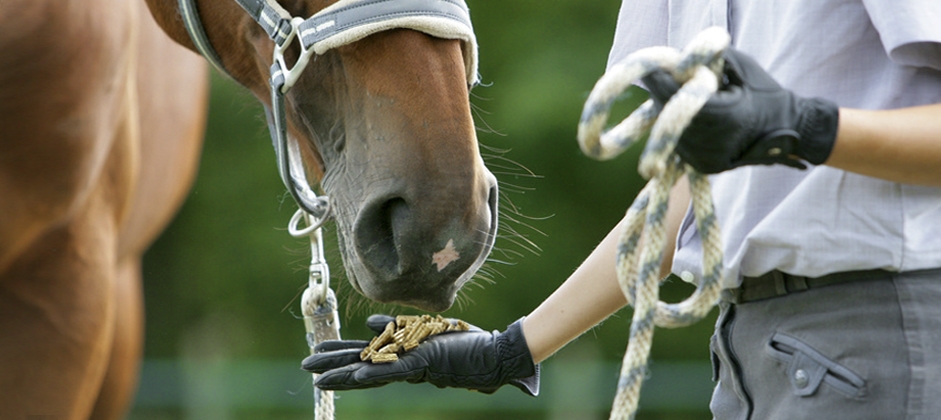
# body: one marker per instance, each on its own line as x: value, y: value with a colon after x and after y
x: 325, y: 409
x: 640, y: 250
x: 318, y: 302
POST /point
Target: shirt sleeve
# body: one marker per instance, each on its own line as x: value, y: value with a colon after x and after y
x: 910, y: 30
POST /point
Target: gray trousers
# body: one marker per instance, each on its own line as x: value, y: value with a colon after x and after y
x: 853, y: 350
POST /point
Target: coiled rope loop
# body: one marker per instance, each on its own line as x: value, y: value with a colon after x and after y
x: 640, y: 252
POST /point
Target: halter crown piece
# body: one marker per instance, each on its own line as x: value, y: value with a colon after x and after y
x: 341, y: 23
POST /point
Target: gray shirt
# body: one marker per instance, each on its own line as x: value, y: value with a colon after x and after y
x: 869, y: 54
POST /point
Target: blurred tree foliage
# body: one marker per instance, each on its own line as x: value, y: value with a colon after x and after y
x: 224, y: 279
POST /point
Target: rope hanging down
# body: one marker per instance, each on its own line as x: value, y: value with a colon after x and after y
x: 318, y: 303
x: 640, y: 251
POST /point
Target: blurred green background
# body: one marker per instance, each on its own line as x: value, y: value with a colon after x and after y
x: 222, y: 284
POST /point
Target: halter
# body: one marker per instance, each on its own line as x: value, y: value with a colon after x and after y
x: 341, y: 23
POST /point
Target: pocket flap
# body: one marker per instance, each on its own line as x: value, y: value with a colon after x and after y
x: 807, y: 368
x: 806, y: 374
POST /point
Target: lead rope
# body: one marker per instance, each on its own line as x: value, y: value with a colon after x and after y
x: 640, y: 251
x: 318, y: 303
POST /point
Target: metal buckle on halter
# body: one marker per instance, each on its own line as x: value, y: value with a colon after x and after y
x: 291, y: 74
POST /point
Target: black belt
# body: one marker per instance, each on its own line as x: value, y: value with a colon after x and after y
x: 777, y: 283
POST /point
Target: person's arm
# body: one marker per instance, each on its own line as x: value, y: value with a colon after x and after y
x: 483, y: 360
x: 901, y: 145
x: 592, y: 293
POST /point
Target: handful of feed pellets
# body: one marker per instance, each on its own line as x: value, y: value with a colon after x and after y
x: 404, y: 334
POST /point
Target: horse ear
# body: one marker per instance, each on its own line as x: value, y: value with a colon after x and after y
x: 167, y: 15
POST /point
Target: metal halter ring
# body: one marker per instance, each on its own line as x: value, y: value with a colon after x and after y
x: 319, y: 279
x: 313, y: 222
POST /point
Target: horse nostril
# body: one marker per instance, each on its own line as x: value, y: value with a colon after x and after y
x: 379, y: 233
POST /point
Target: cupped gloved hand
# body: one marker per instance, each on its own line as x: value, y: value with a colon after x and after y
x: 475, y: 359
x: 751, y: 120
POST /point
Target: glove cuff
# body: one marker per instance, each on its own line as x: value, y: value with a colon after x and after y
x: 517, y: 364
x: 818, y: 127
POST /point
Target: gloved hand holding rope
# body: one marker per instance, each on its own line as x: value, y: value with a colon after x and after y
x: 695, y: 128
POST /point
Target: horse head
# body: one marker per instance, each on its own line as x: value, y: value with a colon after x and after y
x: 385, y: 124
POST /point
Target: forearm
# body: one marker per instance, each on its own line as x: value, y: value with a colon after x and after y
x: 591, y: 293
x: 902, y: 145
x: 587, y: 297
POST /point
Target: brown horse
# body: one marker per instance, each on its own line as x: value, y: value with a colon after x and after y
x: 101, y: 120
x: 385, y: 123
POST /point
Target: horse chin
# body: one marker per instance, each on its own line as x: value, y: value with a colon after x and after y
x: 437, y: 299
x: 431, y: 305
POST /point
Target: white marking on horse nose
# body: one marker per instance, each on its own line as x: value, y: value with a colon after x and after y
x: 445, y: 256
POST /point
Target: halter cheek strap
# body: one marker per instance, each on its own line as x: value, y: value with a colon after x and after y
x: 342, y: 23
x: 194, y: 26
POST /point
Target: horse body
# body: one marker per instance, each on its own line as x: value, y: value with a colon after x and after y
x: 99, y: 141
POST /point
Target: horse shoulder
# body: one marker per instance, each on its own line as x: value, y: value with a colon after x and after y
x: 63, y: 97
x: 173, y: 103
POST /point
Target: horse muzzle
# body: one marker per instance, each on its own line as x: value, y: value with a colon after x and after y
x: 419, y: 249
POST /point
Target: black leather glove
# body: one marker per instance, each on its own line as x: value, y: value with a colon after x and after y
x: 751, y: 120
x: 475, y: 359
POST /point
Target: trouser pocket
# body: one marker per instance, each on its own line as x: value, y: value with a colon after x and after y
x: 808, y: 370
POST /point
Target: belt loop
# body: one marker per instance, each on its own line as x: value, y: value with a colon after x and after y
x: 779, y: 287
x: 798, y: 283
